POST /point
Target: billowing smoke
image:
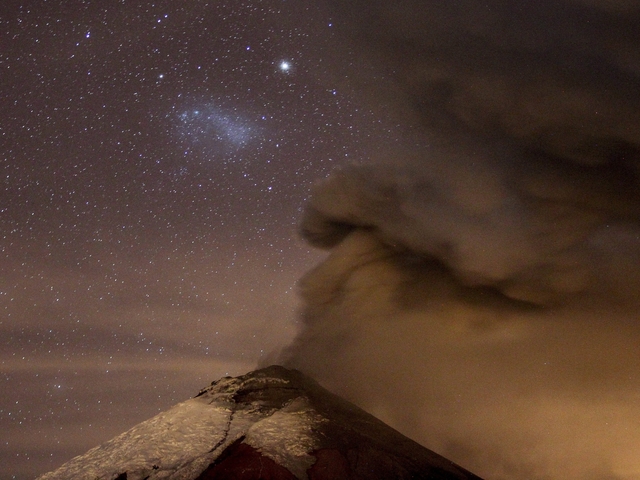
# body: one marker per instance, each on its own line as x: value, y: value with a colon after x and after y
x: 482, y: 291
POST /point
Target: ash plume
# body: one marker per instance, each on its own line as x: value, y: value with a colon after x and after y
x: 481, y: 288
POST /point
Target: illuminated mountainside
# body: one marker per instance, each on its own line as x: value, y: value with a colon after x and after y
x: 273, y: 424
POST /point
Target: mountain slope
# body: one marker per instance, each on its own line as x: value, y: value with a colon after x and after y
x: 273, y: 424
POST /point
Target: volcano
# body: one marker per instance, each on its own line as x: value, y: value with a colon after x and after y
x: 270, y: 424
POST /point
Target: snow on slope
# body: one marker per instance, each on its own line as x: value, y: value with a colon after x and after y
x: 273, y: 423
x: 180, y: 443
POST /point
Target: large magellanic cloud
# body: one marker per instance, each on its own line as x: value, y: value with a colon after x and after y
x: 482, y: 288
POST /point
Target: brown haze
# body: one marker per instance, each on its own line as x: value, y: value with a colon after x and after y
x: 482, y: 289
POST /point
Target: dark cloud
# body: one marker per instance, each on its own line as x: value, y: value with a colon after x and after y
x: 481, y: 288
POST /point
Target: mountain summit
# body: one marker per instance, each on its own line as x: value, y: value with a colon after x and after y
x: 270, y: 424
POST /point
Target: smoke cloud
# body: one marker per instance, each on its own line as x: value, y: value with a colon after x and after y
x: 481, y: 291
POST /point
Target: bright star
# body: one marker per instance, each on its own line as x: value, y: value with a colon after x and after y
x: 285, y: 66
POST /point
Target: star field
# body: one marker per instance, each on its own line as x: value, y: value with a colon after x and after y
x: 154, y: 160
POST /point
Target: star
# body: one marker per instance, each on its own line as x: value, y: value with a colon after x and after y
x: 285, y: 66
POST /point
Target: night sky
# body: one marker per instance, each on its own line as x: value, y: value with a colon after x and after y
x: 155, y: 159
x: 471, y: 170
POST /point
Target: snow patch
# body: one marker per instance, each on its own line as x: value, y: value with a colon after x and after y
x: 288, y: 435
x: 158, y: 447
